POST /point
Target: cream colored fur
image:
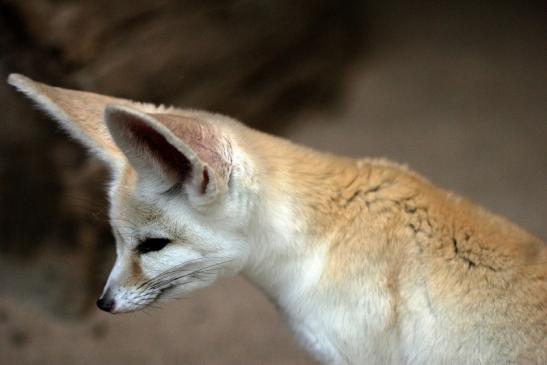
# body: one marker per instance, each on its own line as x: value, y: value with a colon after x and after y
x: 368, y: 262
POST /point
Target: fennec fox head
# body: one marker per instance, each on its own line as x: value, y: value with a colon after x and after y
x: 180, y: 194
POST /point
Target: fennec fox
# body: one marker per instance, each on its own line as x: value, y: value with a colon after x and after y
x: 368, y: 262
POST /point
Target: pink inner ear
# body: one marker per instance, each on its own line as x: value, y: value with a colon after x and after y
x: 160, y: 149
x: 205, y: 142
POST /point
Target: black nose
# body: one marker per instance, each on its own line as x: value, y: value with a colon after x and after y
x: 106, y: 304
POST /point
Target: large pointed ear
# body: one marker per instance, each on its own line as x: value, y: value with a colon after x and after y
x: 173, y: 150
x: 79, y: 113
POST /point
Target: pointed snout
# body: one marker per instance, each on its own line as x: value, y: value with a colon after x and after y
x: 106, y: 303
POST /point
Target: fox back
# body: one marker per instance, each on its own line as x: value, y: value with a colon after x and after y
x: 367, y: 261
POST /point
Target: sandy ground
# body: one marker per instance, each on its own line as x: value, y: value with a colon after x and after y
x: 468, y: 111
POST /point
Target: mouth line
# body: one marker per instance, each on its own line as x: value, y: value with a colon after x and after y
x: 163, y: 292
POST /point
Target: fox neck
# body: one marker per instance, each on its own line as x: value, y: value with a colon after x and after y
x: 291, y: 231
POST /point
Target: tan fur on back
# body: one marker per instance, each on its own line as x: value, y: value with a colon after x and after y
x: 386, y: 223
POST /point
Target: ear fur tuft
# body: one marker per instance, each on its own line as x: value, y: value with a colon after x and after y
x: 146, y: 143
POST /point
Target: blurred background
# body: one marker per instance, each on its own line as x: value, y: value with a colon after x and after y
x: 456, y: 90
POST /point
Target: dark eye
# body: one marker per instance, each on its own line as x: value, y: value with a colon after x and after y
x: 152, y: 244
